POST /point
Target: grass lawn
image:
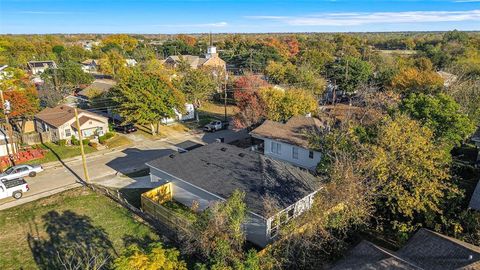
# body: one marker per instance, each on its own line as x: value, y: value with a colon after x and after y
x: 217, y: 110
x: 31, y: 231
x: 118, y: 140
x: 56, y: 152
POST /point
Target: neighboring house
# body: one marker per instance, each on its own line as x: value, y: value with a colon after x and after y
x: 275, y: 191
x: 38, y: 67
x: 475, y: 199
x: 98, y: 87
x: 211, y: 60
x: 61, y: 122
x: 289, y: 141
x: 448, y: 78
x: 90, y: 65
x: 425, y: 250
x: 5, y: 143
x: 130, y: 62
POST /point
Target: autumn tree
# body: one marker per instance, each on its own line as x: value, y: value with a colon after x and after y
x: 411, y: 173
x: 21, y: 94
x: 113, y: 63
x: 414, y: 80
x: 147, y: 98
x: 280, y: 105
x: 154, y: 256
x: 247, y: 99
x: 441, y: 114
x: 122, y: 41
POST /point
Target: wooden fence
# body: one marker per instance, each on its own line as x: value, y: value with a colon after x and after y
x: 37, y: 137
x: 151, y: 202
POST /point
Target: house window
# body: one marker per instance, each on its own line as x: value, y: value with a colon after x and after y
x: 310, y: 154
x: 294, y: 152
x: 276, y: 148
x: 68, y: 133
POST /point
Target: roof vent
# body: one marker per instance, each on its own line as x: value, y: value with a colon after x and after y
x: 241, y: 154
x: 172, y: 155
x: 223, y: 149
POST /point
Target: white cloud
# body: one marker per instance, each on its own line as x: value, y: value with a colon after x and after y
x: 350, y: 19
x: 467, y: 1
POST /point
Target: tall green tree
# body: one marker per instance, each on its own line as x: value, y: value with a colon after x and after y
x: 197, y: 85
x: 442, y: 114
x: 349, y: 73
x: 147, y: 98
x: 280, y: 105
x: 411, y: 173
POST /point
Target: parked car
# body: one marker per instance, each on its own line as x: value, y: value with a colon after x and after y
x: 216, y: 125
x: 128, y: 128
x: 21, y: 171
x: 13, y: 187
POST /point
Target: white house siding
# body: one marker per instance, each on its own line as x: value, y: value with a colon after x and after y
x: 66, y: 131
x: 286, y: 154
x: 186, y: 194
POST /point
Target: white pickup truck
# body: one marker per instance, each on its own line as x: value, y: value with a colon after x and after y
x: 13, y: 188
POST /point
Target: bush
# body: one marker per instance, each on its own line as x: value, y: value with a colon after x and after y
x: 62, y: 142
x: 85, y: 141
x: 75, y: 141
x: 102, y: 139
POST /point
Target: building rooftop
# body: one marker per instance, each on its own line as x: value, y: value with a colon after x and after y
x: 221, y: 169
x: 425, y: 250
x: 100, y: 85
x: 46, y: 64
x: 59, y: 115
x: 294, y: 131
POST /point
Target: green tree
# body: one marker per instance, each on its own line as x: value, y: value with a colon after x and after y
x: 147, y: 98
x: 349, y: 73
x: 197, y: 85
x: 280, y: 105
x: 411, y: 173
x: 442, y: 114
x: 414, y: 80
x: 113, y: 63
x: 154, y: 256
x: 219, y: 237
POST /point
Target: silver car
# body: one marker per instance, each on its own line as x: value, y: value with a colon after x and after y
x: 21, y: 171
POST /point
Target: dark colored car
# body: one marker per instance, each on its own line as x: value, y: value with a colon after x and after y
x: 128, y: 128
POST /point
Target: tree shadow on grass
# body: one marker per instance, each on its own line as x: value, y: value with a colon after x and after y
x: 72, y: 243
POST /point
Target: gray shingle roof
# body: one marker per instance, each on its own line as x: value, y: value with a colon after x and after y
x: 425, y: 250
x: 294, y: 131
x: 221, y: 169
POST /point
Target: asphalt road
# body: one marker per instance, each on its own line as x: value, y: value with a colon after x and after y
x: 107, y: 165
x: 68, y: 175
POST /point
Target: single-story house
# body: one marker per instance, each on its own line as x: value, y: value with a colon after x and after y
x: 289, y: 141
x: 275, y: 191
x: 61, y: 122
x: 90, y: 65
x: 37, y: 67
x: 425, y: 250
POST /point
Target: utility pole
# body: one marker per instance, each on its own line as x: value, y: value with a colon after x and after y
x: 9, y: 129
x: 84, y: 161
x: 225, y: 95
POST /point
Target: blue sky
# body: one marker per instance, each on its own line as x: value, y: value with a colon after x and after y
x: 194, y: 16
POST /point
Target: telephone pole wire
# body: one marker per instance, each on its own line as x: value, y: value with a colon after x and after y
x: 84, y: 161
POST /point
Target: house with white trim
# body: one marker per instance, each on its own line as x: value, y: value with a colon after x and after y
x: 289, y: 141
x: 60, y: 121
x: 275, y: 191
